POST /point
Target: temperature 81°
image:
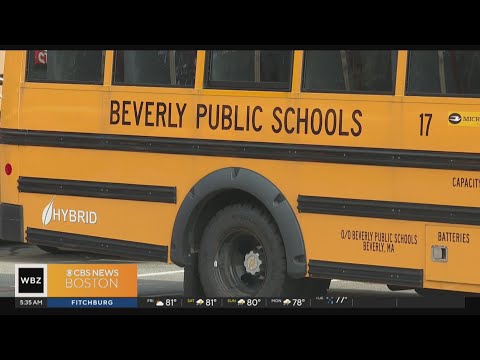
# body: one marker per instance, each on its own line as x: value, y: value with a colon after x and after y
x: 298, y: 302
x: 170, y: 302
x: 210, y: 302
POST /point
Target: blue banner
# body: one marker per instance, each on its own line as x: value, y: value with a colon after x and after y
x: 92, y: 303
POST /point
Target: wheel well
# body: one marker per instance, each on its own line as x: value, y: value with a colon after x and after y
x: 213, y: 204
x: 236, y: 185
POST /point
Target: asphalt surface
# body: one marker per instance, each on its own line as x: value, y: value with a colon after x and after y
x: 154, y: 278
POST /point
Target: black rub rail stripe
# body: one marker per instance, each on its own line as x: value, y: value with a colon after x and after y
x: 243, y: 149
x: 164, y: 194
x: 370, y: 273
x: 389, y: 210
x: 97, y: 244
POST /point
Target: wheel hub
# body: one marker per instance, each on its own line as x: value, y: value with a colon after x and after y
x: 252, y: 263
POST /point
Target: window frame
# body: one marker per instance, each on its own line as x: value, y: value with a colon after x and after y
x: 407, y: 93
x: 244, y: 85
x: 115, y: 83
x: 46, y: 81
x: 303, y: 89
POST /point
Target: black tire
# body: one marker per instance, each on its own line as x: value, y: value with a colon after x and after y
x: 50, y: 249
x: 227, y: 239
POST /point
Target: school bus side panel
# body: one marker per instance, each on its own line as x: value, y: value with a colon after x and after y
x: 9, y: 119
x: 449, y: 248
x: 284, y: 119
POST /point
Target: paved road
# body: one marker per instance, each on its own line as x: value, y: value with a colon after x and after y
x: 154, y: 278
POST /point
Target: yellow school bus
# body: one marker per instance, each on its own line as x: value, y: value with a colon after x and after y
x: 257, y: 170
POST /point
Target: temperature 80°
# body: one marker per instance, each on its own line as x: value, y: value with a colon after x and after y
x: 253, y: 302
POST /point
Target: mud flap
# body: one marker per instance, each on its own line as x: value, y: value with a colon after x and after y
x: 192, y: 286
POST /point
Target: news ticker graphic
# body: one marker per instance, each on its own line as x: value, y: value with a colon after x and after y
x: 76, y: 285
x: 115, y: 286
x: 330, y: 302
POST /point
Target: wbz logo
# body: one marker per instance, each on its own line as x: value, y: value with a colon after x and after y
x: 30, y: 280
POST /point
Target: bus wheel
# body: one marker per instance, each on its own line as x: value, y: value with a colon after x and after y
x: 50, y: 249
x: 242, y: 254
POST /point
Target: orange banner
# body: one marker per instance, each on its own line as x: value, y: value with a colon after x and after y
x: 92, y: 280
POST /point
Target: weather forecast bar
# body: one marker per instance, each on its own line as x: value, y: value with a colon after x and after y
x: 297, y: 303
x: 332, y: 302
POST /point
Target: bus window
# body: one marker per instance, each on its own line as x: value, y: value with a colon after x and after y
x: 173, y: 68
x: 249, y: 69
x: 65, y: 66
x: 350, y: 71
x: 443, y: 73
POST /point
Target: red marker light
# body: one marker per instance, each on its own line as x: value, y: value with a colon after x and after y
x: 8, y: 169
